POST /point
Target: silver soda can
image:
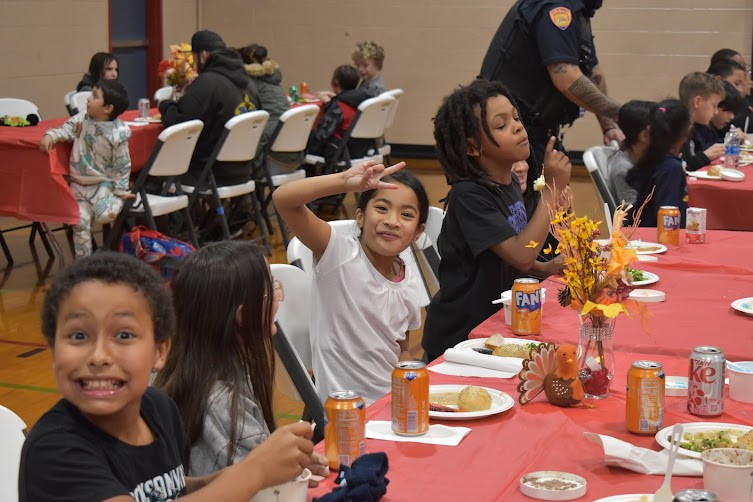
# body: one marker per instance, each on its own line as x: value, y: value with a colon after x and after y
x: 144, y: 108
x: 695, y: 225
x: 706, y: 382
x: 694, y: 496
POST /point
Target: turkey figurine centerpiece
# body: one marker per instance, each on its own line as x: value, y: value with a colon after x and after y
x: 555, y: 371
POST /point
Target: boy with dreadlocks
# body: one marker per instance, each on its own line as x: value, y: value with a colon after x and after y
x: 488, y: 239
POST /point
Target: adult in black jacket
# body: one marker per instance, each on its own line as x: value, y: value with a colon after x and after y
x: 221, y: 91
x: 544, y: 54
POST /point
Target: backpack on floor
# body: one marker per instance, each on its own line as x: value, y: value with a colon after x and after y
x: 162, y: 252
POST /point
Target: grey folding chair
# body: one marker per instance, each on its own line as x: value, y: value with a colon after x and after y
x: 386, y: 150
x: 595, y: 159
x: 78, y: 102
x: 12, y: 436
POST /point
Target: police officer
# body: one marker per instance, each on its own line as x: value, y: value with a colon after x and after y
x: 544, y: 53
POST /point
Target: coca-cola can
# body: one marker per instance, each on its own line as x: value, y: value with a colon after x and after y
x: 706, y: 381
x: 144, y: 108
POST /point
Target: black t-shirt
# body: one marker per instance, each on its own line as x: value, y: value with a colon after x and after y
x: 470, y: 274
x: 66, y: 457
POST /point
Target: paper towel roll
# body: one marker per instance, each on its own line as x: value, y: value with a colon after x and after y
x: 463, y: 356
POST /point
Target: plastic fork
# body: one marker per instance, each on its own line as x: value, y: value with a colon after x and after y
x: 664, y: 493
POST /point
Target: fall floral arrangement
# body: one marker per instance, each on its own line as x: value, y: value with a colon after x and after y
x: 178, y: 71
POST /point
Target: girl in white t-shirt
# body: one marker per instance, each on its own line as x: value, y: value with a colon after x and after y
x: 365, y: 300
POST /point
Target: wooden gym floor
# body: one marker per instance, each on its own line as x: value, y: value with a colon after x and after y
x: 27, y: 385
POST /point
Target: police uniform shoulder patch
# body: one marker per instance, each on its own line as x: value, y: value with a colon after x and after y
x: 561, y: 17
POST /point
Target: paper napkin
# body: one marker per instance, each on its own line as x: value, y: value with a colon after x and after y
x: 437, y: 434
x: 469, y: 357
x: 465, y: 370
x: 618, y: 453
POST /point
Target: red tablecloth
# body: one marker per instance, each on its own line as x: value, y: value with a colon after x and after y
x: 728, y: 202
x: 32, y: 186
x: 700, y: 282
x: 488, y: 463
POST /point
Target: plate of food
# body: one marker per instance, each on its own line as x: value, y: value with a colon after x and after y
x: 641, y: 247
x: 698, y: 437
x: 705, y: 175
x: 642, y: 277
x: 498, y: 345
x: 150, y: 120
x: 552, y: 485
x: 744, y: 305
x: 634, y: 497
x: 466, y: 402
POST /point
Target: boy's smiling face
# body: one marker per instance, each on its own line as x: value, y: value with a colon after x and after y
x: 105, y: 350
x: 367, y: 69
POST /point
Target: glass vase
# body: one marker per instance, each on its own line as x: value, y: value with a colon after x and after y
x: 596, y: 355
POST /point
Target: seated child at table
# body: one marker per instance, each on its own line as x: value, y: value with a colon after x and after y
x: 337, y: 117
x: 368, y: 59
x: 109, y: 320
x: 488, y: 239
x: 732, y: 104
x: 100, y: 162
x: 729, y: 71
x: 102, y: 66
x: 660, y: 167
x: 701, y: 94
x: 747, y: 89
x: 633, y: 120
x: 365, y: 299
x: 225, y: 304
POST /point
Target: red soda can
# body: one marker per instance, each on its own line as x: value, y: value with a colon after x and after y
x: 706, y: 381
x: 345, y: 432
x: 410, y: 398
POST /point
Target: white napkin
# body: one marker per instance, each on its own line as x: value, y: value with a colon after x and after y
x: 470, y: 357
x: 437, y: 434
x: 619, y: 453
x: 136, y: 124
x: 465, y: 370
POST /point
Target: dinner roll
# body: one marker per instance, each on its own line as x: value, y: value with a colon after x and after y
x: 494, y: 341
x: 512, y: 350
x: 474, y: 399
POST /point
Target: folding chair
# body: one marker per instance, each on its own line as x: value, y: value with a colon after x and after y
x: 427, y: 244
x: 294, y: 346
x: 169, y: 159
x: 291, y: 135
x: 368, y: 124
x: 12, y: 436
x: 238, y: 143
x: 596, y: 159
x: 67, y: 100
x: 16, y: 107
x: 163, y: 94
x: 386, y: 150
x: 301, y: 256
x: 78, y: 102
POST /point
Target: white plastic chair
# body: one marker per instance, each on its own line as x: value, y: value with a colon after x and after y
x: 292, y: 342
x: 301, y: 256
x: 291, y: 135
x: 78, y: 101
x: 12, y: 436
x: 596, y: 161
x: 427, y: 245
x: 163, y: 94
x: 386, y: 150
x: 238, y: 143
x: 67, y: 100
x: 16, y: 107
x: 169, y: 159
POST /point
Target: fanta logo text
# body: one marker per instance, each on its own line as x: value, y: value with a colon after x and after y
x: 671, y: 222
x: 703, y: 374
x: 529, y: 301
x: 410, y: 376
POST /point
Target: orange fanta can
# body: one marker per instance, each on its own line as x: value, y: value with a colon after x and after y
x: 526, y: 307
x: 668, y: 225
x: 410, y: 398
x: 345, y: 432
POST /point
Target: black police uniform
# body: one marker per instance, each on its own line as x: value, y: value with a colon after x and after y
x: 534, y: 34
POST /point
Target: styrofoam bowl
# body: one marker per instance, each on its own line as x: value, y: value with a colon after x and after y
x: 292, y: 491
x: 741, y: 382
x: 728, y: 481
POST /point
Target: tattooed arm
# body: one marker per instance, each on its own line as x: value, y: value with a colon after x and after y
x: 589, y: 94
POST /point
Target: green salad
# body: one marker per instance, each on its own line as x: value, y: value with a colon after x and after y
x: 637, y: 275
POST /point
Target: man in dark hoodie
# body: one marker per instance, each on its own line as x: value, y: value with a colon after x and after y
x: 221, y: 91
x: 338, y: 116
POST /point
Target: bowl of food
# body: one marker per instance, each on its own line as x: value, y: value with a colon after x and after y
x: 741, y: 381
x: 728, y: 472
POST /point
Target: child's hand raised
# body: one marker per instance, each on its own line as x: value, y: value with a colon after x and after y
x: 368, y: 175
x: 283, y: 455
x: 556, y: 167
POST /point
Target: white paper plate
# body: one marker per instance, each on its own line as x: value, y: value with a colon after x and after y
x: 647, y: 295
x: 501, y: 401
x: 635, y: 497
x: 528, y: 485
x: 643, y: 247
x: 703, y: 175
x: 663, y: 436
x: 151, y: 120
x: 732, y: 175
x: 650, y: 278
x: 478, y: 343
x: 744, y: 305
